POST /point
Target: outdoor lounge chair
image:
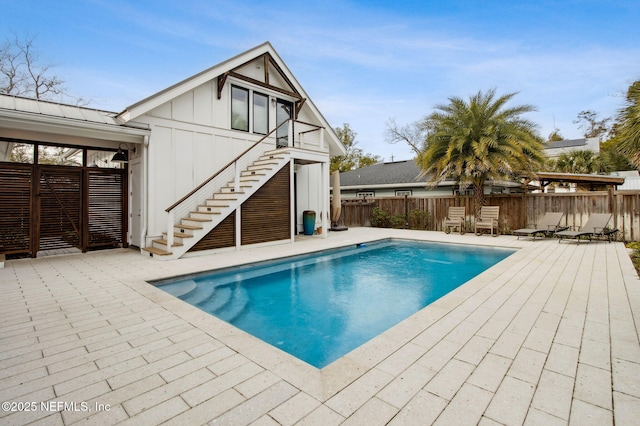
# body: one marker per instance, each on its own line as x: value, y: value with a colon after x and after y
x: 549, y: 224
x: 455, y: 219
x: 596, y: 226
x: 488, y: 219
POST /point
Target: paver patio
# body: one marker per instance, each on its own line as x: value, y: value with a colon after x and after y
x: 548, y: 336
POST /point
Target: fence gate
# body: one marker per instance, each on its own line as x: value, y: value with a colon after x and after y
x: 59, y: 207
x: 46, y: 207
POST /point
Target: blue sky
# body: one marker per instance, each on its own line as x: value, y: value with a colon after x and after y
x: 361, y: 62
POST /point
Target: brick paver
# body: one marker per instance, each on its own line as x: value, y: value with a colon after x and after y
x: 549, y: 336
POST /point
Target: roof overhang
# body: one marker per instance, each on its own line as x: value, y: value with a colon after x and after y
x: 546, y: 178
x: 19, y: 125
x: 24, y: 125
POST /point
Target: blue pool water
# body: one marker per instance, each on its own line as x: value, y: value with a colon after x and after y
x: 321, y: 306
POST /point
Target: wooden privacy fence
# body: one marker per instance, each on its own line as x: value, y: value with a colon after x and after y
x: 516, y: 210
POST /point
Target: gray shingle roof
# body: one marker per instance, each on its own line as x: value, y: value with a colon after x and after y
x: 383, y: 173
x: 567, y: 143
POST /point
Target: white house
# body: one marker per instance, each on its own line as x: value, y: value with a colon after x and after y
x: 556, y: 148
x: 227, y: 158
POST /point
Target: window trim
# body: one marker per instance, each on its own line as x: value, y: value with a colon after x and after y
x: 365, y: 194
x: 251, y: 94
x: 248, y: 109
x: 253, y: 114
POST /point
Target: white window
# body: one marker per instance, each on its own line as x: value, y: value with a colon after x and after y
x: 239, y: 108
x: 402, y: 193
x: 248, y: 107
x: 260, y: 113
x: 366, y: 194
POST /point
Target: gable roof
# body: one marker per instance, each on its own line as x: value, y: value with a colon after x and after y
x: 396, y: 172
x: 220, y: 72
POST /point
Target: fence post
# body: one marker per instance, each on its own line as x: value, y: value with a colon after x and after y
x: 406, y: 212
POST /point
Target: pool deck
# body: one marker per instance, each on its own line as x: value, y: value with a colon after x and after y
x: 548, y: 336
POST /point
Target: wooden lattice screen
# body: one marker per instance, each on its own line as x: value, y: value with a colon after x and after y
x: 15, y: 209
x: 105, y: 218
x: 60, y: 207
x: 47, y: 207
x: 266, y: 216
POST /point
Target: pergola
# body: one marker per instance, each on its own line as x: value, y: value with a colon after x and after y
x: 591, y: 181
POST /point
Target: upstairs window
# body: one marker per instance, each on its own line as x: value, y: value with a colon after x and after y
x: 248, y: 107
x: 260, y: 113
x: 239, y: 109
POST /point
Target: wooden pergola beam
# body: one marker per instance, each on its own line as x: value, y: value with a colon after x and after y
x: 265, y: 85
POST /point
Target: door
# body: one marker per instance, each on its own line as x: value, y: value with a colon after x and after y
x: 284, y: 111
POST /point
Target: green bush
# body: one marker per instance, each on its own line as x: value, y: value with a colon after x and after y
x: 398, y: 221
x: 635, y: 258
x: 633, y: 245
x: 380, y: 218
x: 419, y: 219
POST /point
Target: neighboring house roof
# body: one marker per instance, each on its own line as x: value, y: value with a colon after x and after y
x: 397, y: 174
x: 383, y: 173
x: 556, y: 148
x: 569, y: 143
x: 221, y: 69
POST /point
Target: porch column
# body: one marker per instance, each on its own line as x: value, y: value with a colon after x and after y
x: 238, y: 227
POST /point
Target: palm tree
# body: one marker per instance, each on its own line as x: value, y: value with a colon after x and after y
x: 629, y: 130
x: 480, y: 140
x: 581, y: 161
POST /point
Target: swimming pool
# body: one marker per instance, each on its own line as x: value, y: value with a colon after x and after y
x: 320, y: 306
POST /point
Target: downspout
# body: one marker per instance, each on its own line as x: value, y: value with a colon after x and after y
x: 145, y: 188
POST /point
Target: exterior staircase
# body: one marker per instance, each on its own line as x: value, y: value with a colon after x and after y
x: 197, y: 222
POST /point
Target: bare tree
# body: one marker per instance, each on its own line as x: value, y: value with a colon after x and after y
x: 592, y: 125
x: 413, y: 134
x: 23, y: 74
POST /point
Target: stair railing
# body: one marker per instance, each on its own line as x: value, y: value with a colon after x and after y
x: 229, y: 173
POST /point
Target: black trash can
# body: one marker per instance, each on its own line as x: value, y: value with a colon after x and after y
x: 309, y: 222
